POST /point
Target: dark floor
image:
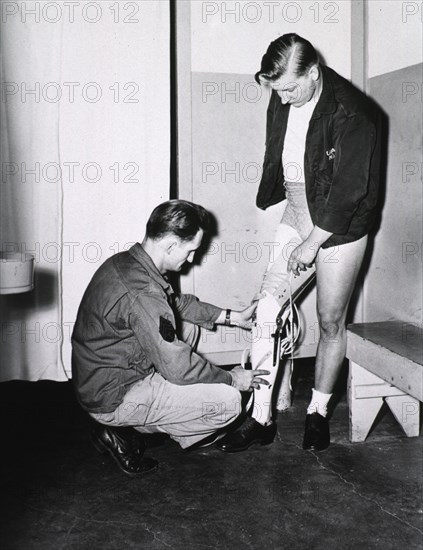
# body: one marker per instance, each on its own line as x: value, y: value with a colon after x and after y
x: 58, y: 492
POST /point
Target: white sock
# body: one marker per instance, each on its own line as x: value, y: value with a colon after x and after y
x: 319, y: 402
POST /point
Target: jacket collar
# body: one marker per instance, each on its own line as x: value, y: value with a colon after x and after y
x: 138, y: 252
x: 327, y: 103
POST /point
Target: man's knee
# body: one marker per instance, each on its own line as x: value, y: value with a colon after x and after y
x: 331, y: 328
x: 223, y: 408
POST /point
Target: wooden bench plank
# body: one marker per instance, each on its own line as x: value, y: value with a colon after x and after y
x: 404, y: 339
x: 391, y: 350
x: 376, y: 390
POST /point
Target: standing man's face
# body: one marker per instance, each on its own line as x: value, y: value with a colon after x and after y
x: 296, y: 90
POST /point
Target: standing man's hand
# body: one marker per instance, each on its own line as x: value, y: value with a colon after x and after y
x: 305, y: 254
x: 247, y: 380
x: 302, y: 257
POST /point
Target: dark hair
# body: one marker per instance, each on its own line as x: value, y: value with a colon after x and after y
x: 280, y: 53
x: 178, y: 217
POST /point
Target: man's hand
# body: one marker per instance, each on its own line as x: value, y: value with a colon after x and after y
x: 245, y: 380
x: 302, y: 257
x: 244, y: 318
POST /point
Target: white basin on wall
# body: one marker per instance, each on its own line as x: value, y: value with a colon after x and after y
x: 16, y: 272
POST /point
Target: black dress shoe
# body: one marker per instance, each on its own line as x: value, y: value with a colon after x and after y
x: 316, y: 435
x: 247, y: 434
x: 126, y: 447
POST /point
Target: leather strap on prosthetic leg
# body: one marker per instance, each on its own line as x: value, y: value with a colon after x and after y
x: 269, y: 337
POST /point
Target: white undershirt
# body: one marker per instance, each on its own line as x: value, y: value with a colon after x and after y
x: 295, y: 138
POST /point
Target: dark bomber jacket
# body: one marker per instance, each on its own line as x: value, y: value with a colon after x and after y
x: 125, y: 330
x: 341, y: 161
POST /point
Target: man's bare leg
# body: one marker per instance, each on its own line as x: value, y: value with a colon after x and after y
x: 337, y: 271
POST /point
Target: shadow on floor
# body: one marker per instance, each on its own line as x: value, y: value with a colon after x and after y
x: 58, y: 492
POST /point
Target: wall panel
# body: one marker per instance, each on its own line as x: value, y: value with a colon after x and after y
x: 223, y: 112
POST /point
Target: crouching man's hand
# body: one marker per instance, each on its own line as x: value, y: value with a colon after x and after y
x: 247, y: 380
x: 244, y: 318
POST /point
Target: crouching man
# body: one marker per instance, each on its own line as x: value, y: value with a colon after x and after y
x: 133, y: 358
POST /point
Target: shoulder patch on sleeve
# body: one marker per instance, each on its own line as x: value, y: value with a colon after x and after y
x: 166, y: 329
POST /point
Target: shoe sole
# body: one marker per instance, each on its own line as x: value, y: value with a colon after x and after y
x: 240, y: 449
x: 104, y: 450
x: 316, y: 449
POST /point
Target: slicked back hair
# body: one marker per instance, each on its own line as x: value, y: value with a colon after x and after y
x: 284, y: 51
x: 178, y: 217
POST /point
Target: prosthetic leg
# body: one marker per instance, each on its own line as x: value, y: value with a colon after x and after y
x: 276, y: 330
x: 277, y: 344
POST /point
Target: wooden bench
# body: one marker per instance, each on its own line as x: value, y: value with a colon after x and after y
x: 386, y: 365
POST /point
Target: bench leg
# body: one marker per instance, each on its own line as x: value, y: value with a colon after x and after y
x: 363, y: 412
x: 366, y: 394
x: 406, y: 410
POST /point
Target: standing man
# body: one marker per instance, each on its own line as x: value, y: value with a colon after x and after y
x: 323, y: 156
x: 131, y: 368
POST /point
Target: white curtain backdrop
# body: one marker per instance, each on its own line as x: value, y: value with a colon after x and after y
x: 85, y: 144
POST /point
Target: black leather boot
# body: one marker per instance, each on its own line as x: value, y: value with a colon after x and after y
x: 247, y: 434
x: 126, y: 447
x: 316, y: 434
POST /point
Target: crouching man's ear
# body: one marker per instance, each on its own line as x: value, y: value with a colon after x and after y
x: 168, y: 243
